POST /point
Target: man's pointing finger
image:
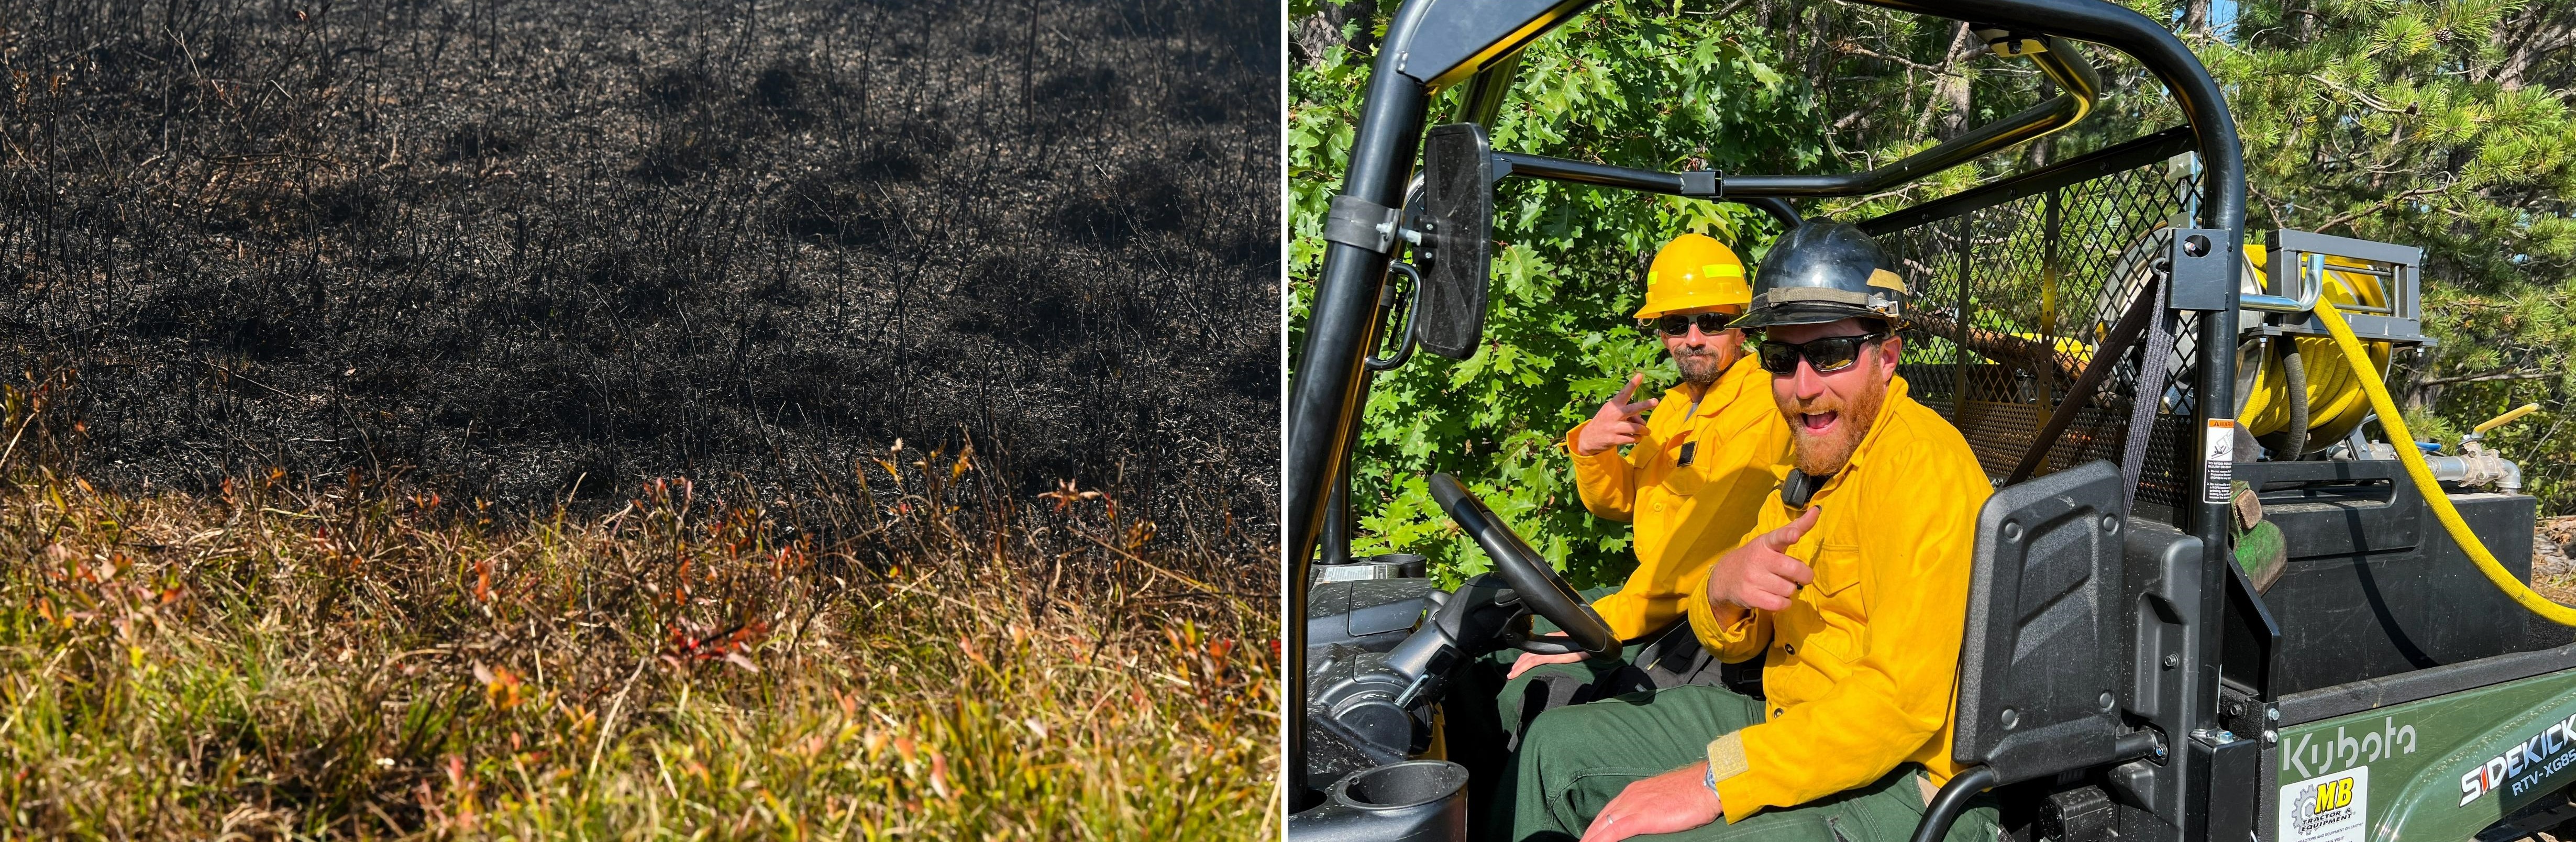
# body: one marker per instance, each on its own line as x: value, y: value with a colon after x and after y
x: 1630, y: 390
x: 1795, y: 530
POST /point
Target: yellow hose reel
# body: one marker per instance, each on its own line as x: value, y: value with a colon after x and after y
x: 2336, y: 401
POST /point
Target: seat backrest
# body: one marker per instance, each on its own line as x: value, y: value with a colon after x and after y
x: 2039, y: 666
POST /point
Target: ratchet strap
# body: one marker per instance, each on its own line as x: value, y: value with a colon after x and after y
x: 2151, y: 390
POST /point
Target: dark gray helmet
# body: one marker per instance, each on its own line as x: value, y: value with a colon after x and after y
x: 1824, y: 272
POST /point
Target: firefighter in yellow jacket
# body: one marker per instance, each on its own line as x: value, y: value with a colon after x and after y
x: 1853, y: 592
x: 1698, y: 466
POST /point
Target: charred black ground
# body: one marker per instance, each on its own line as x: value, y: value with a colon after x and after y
x: 506, y: 250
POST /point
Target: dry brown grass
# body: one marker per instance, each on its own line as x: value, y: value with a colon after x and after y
x: 344, y: 661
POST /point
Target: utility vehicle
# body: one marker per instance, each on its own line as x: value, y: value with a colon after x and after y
x: 2122, y: 677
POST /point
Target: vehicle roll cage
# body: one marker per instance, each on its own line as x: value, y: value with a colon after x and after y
x: 1433, y: 45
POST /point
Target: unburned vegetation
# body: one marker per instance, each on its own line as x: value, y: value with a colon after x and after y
x: 275, y: 661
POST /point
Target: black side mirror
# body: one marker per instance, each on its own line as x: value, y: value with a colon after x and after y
x: 1457, y: 239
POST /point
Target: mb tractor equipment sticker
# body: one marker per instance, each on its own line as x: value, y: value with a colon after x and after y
x: 2334, y: 807
x: 2218, y: 458
x: 2533, y: 765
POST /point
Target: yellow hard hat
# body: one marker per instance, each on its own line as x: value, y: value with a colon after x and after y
x: 1691, y: 272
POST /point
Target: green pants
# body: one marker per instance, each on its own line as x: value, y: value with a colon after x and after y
x: 1573, y: 760
x: 1487, y: 712
x: 1516, y: 700
x: 1538, y: 689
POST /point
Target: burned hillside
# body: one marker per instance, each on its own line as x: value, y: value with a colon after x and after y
x: 531, y: 252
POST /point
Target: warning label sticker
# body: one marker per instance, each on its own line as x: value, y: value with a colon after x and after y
x: 2333, y: 807
x: 2218, y: 458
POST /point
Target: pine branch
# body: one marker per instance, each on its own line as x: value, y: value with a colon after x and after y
x: 2373, y: 102
x: 2485, y: 378
x: 1850, y: 49
x: 2381, y: 205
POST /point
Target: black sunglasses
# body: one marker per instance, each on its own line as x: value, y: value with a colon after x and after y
x: 1832, y: 353
x: 1679, y: 325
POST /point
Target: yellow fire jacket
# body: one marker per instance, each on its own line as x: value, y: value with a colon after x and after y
x: 1860, y: 670
x: 1685, y: 515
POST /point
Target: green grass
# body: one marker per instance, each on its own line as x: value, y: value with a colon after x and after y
x: 344, y: 662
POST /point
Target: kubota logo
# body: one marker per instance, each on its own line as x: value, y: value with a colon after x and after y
x: 2317, y: 754
x: 2520, y: 768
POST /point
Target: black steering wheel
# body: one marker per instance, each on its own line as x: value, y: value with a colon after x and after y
x: 1531, y: 578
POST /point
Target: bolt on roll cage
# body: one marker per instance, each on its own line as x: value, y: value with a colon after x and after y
x: 1432, y: 45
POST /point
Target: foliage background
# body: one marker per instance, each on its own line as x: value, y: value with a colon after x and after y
x: 2442, y: 123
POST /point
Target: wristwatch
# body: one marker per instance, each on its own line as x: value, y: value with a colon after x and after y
x: 1712, y: 780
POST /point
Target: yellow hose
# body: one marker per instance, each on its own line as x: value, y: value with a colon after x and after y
x: 2501, y: 420
x: 2408, y: 453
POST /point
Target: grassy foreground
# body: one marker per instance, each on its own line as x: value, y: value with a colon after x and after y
x: 344, y: 662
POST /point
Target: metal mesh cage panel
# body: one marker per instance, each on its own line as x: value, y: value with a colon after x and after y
x: 2011, y: 300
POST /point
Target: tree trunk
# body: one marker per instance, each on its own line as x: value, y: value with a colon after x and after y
x: 1950, y: 92
x: 2538, y: 33
x: 1322, y: 30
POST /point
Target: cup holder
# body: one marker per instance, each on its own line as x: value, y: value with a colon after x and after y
x: 1398, y: 565
x: 1402, y: 785
x: 1413, y: 801
x: 1367, y: 568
